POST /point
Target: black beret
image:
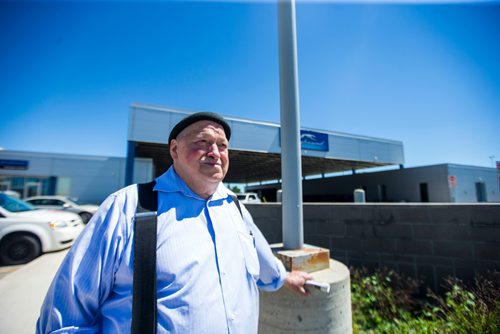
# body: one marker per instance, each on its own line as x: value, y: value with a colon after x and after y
x: 196, y: 117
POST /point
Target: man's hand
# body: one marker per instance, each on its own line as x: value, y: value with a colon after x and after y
x: 295, y: 281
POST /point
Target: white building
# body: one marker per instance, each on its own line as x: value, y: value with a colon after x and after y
x: 88, y: 178
x: 255, y: 148
x: 448, y: 183
x: 255, y: 157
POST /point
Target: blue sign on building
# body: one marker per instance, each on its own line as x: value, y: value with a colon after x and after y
x: 315, y: 141
x: 14, y: 164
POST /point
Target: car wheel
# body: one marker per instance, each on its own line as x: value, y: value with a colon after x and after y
x: 85, y: 216
x: 19, y: 249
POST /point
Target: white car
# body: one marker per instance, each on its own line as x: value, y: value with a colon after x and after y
x: 11, y: 193
x: 248, y: 198
x: 27, y: 232
x: 64, y: 203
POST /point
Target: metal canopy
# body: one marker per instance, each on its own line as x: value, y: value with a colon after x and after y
x: 248, y: 166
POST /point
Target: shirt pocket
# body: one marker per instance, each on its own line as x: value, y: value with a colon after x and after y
x: 247, y: 242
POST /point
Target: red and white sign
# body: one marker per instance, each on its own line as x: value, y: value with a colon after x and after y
x: 452, y: 181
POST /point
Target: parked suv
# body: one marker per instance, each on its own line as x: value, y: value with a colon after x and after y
x: 248, y: 198
x: 27, y: 232
x: 64, y: 203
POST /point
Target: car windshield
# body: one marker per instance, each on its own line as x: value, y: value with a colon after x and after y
x: 76, y: 201
x: 241, y: 196
x: 14, y: 205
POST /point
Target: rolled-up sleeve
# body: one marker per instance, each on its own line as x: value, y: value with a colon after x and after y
x: 85, y: 277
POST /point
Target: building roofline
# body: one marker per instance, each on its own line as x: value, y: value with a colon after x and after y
x: 267, y: 123
x: 60, y: 154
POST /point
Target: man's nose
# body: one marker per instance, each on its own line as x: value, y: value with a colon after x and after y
x: 213, y: 151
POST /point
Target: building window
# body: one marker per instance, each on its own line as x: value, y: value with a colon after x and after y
x: 28, y: 186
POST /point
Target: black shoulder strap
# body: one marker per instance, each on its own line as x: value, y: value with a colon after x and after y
x: 237, y: 202
x: 144, y: 283
x: 148, y: 199
x: 144, y: 307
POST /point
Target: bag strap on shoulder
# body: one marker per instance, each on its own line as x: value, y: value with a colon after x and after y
x: 237, y: 202
x: 144, y: 308
x: 147, y: 198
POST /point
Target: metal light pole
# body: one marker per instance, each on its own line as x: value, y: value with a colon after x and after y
x: 282, y: 309
x: 291, y: 170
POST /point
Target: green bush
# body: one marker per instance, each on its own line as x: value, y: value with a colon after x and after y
x: 388, y: 303
x: 475, y: 311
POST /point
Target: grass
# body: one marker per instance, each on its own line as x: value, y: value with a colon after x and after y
x: 388, y: 303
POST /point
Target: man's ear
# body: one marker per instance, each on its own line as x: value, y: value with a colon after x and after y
x: 173, y: 149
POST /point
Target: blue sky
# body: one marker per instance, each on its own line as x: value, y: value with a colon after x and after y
x: 427, y: 74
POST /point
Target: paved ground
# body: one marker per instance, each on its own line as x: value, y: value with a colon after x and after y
x: 22, y: 289
x: 5, y: 270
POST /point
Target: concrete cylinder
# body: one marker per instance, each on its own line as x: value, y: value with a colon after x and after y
x: 287, y: 312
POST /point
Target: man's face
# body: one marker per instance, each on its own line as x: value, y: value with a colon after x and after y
x: 200, y: 153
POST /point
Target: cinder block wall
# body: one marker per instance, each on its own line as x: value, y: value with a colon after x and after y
x: 425, y: 241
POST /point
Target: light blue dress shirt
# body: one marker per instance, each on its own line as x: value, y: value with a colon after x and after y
x: 210, y: 264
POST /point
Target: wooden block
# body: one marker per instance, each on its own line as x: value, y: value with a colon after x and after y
x: 308, y: 259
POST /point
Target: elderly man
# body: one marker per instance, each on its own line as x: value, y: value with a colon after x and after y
x: 211, y: 259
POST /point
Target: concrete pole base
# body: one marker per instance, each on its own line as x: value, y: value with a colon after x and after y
x: 287, y: 312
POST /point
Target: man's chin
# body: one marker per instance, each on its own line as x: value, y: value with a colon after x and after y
x: 216, y: 176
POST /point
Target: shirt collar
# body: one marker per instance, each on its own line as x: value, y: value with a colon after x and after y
x: 170, y: 181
